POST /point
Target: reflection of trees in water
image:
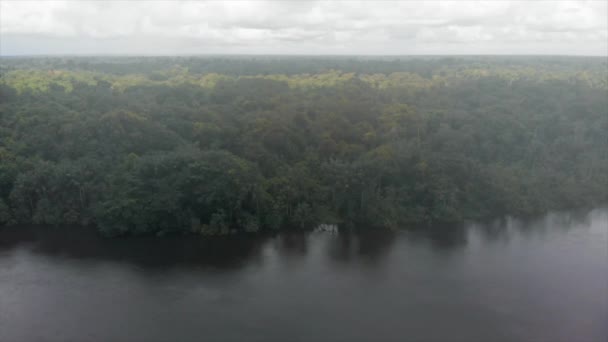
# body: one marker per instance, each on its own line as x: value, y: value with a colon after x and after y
x: 505, y: 228
x: 442, y: 238
x: 229, y: 253
x: 221, y: 253
x: 292, y: 244
x: 371, y: 246
x: 449, y: 238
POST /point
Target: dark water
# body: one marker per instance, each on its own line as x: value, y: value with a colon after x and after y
x: 538, y: 280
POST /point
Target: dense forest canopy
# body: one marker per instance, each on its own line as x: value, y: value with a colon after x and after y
x: 215, y: 145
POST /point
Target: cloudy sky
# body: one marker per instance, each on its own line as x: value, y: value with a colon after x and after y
x: 303, y: 27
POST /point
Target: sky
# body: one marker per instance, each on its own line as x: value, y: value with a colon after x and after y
x: 303, y: 27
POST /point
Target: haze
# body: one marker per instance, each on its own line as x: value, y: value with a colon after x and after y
x: 303, y: 27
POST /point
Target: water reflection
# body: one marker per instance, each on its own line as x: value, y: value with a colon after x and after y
x: 443, y: 239
x: 502, y: 230
x: 369, y: 247
x: 509, y: 279
x: 145, y: 252
x: 292, y: 244
x: 236, y: 252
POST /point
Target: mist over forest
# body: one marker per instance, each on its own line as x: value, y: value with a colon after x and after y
x: 225, y: 144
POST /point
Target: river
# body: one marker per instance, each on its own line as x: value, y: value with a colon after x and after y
x: 539, y: 279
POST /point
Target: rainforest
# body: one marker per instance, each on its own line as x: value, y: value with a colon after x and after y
x: 221, y: 145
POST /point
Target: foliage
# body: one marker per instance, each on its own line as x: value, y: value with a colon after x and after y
x: 221, y: 145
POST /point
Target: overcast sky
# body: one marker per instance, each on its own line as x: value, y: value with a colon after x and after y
x: 304, y: 27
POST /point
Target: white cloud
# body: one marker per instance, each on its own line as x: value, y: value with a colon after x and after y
x: 312, y: 27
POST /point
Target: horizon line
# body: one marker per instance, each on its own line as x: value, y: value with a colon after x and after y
x: 290, y: 55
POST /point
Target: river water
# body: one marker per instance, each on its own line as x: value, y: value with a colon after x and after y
x: 541, y: 279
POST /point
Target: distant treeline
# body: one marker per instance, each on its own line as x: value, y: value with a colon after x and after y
x: 214, y: 145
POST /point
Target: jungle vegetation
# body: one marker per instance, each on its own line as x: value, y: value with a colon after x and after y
x: 224, y: 144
